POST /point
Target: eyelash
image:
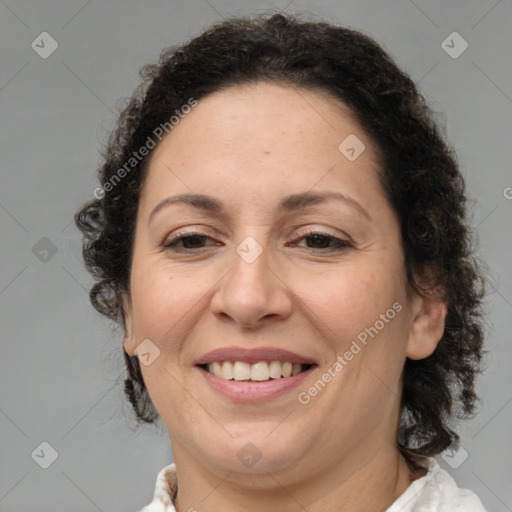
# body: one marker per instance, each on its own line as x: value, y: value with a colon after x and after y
x: 339, y: 244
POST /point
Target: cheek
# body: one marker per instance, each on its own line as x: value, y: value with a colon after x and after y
x: 346, y: 300
x: 160, y: 299
x: 360, y: 311
x: 163, y: 304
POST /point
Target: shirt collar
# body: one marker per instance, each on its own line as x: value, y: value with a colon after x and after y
x: 166, y: 489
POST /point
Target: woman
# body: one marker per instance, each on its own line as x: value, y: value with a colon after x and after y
x: 281, y: 233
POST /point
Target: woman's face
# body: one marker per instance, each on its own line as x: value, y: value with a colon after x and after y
x: 296, y: 248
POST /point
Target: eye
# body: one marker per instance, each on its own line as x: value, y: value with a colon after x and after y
x: 189, y: 242
x: 322, y: 242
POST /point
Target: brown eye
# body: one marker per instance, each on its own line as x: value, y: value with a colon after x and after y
x: 186, y: 242
x: 323, y: 242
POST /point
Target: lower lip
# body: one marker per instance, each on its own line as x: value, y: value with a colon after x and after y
x: 240, y: 391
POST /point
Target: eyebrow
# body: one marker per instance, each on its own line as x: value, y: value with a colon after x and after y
x: 289, y: 203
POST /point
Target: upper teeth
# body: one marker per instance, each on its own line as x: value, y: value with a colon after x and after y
x: 240, y: 370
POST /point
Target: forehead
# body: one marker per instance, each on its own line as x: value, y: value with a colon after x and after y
x: 244, y: 117
x: 264, y: 138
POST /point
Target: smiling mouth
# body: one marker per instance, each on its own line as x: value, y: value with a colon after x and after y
x: 262, y: 371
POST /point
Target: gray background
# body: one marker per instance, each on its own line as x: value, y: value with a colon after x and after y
x: 61, y: 361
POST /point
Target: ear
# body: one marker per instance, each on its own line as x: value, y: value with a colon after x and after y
x: 429, y: 314
x: 129, y: 342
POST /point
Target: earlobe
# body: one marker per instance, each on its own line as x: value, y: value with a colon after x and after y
x: 129, y: 346
x: 427, y: 328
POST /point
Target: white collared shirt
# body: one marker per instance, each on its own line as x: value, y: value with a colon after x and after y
x: 436, y: 491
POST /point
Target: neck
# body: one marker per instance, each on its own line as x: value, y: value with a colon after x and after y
x: 349, y: 485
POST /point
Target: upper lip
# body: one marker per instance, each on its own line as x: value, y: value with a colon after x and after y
x: 254, y: 355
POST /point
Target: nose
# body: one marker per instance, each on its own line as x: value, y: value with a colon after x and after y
x: 252, y: 293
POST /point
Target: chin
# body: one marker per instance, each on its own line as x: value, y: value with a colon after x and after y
x: 258, y: 456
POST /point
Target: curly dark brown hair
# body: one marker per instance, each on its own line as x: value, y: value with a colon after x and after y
x: 419, y: 173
